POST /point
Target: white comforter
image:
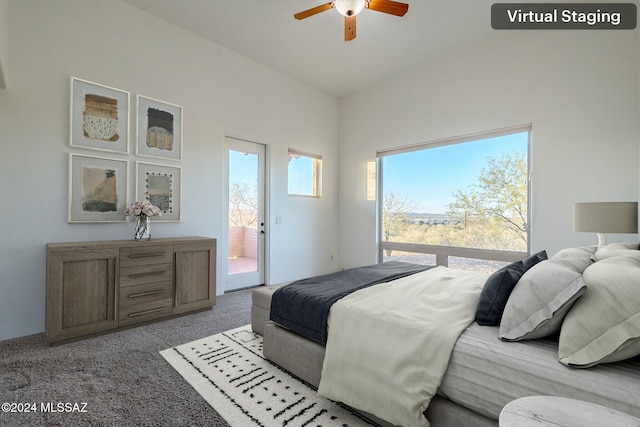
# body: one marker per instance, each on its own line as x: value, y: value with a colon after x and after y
x: 389, y: 345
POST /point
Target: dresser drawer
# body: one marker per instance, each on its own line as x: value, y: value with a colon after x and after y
x: 145, y: 255
x: 139, y: 313
x: 141, y: 274
x: 141, y: 294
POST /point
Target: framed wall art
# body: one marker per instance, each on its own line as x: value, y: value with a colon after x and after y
x: 158, y: 128
x: 99, y: 117
x: 97, y: 189
x: 161, y: 185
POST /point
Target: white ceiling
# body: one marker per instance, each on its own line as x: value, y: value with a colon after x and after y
x: 313, y: 50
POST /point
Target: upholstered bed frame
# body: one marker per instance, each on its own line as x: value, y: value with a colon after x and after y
x: 303, y: 358
x: 484, y: 373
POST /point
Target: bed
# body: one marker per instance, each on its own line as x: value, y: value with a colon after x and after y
x: 490, y: 365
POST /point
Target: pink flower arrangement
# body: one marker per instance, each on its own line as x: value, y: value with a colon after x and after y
x: 143, y: 208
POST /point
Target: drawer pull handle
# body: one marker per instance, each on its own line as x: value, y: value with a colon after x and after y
x: 142, y: 313
x: 149, y: 255
x: 148, y: 274
x: 145, y: 294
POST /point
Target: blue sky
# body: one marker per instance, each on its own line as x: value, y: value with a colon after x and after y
x: 300, y: 176
x: 243, y: 168
x: 430, y: 177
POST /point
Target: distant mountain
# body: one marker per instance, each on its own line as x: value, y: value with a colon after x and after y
x: 426, y: 215
x: 430, y: 218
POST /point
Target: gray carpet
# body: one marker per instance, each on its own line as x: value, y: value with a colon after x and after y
x: 121, y: 376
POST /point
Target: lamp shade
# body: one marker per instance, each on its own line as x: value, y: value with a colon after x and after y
x: 606, y: 217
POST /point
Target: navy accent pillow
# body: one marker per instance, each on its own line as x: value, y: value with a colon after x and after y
x: 498, y: 287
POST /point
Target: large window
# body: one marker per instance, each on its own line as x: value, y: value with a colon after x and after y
x: 461, y: 202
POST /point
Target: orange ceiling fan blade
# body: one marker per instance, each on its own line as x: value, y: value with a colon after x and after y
x: 388, y: 6
x: 349, y: 28
x: 313, y: 11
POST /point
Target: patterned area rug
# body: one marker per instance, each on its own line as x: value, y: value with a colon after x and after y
x: 229, y: 372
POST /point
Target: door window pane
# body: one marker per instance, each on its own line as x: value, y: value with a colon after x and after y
x: 243, y: 212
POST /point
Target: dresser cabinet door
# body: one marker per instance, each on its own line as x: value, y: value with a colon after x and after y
x: 195, y: 276
x: 81, y: 292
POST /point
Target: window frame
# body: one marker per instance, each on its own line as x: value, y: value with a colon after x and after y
x: 443, y: 253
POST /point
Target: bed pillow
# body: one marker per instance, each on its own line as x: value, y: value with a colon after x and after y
x: 542, y: 298
x: 498, y: 287
x: 604, y: 324
x: 581, y: 252
x: 616, y: 249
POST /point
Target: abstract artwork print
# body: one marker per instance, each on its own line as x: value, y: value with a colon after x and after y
x: 99, y: 190
x: 100, y: 118
x: 159, y: 189
x: 159, y: 129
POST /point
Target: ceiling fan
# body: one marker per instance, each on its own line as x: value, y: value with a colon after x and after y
x: 350, y: 8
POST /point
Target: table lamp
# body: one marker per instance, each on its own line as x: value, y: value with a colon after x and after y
x: 606, y: 217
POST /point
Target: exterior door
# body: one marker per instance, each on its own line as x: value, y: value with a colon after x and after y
x: 246, y: 219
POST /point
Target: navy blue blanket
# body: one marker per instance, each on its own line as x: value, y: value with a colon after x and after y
x: 303, y: 306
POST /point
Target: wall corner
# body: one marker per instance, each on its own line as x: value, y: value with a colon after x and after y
x: 4, y: 43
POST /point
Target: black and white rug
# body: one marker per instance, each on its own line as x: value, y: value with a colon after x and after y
x: 229, y: 372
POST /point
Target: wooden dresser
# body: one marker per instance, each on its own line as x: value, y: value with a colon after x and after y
x: 97, y: 287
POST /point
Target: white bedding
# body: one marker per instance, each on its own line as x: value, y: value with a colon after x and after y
x: 389, y: 345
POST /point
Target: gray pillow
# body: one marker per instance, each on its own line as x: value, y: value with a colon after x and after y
x: 542, y: 298
x: 604, y: 325
x: 498, y: 287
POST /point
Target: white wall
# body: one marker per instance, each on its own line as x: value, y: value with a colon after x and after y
x: 117, y: 45
x: 579, y: 89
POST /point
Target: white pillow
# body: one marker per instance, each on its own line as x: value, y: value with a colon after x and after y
x: 604, y: 324
x: 581, y: 252
x: 542, y: 298
x: 616, y: 249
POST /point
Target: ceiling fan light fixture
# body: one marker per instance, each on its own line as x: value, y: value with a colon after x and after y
x: 349, y: 7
